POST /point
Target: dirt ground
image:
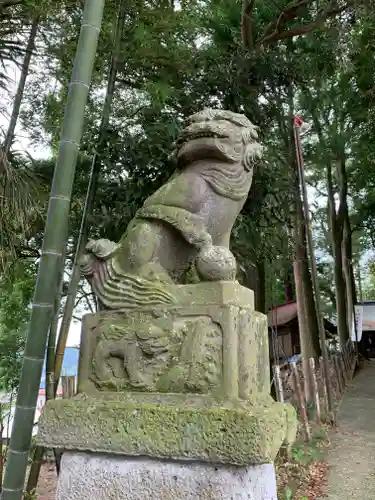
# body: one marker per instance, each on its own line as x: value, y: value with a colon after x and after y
x: 351, y: 456
x: 47, y: 482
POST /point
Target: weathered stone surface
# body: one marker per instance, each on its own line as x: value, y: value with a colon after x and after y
x: 103, y: 477
x: 216, y: 343
x: 181, y: 234
x: 168, y: 426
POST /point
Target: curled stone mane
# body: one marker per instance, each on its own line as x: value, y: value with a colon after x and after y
x: 228, y: 180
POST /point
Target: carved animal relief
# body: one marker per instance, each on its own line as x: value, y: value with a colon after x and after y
x: 163, y: 353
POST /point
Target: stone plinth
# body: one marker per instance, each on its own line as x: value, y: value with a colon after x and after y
x: 104, y: 477
x: 212, y: 342
x: 169, y: 427
x: 178, y: 396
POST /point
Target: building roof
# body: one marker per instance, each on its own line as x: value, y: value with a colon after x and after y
x: 285, y: 313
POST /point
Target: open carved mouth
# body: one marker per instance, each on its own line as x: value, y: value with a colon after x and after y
x: 204, y: 134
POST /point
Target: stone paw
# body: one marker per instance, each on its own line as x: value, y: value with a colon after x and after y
x: 216, y: 263
x: 102, y: 249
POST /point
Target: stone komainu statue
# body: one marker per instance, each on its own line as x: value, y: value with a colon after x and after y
x: 176, y: 364
x: 182, y: 232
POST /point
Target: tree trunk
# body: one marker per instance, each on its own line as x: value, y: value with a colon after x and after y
x: 54, y: 244
x: 348, y: 270
x: 288, y: 284
x: 346, y: 246
x: 359, y: 278
x: 260, y: 300
x: 302, y: 320
x: 300, y: 265
x: 21, y: 87
x: 254, y: 278
x: 308, y: 293
x: 304, y: 325
x: 342, y: 316
x: 336, y: 221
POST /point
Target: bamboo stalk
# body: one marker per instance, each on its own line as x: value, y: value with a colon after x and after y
x: 54, y: 243
x: 301, y: 402
x: 82, y: 239
x: 95, y: 170
x: 315, y: 390
x: 278, y: 384
x: 38, y: 455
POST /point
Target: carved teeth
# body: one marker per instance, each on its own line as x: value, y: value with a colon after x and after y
x: 198, y: 135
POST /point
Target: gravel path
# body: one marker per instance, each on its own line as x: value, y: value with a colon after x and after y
x: 351, y: 457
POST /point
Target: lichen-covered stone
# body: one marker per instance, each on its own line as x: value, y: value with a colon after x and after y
x: 194, y: 428
x: 213, y: 343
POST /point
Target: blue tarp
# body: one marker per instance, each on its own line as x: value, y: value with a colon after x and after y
x: 294, y: 359
x: 69, y: 367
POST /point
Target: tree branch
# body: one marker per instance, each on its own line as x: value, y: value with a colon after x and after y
x: 274, y: 31
x: 9, y: 3
x: 246, y: 24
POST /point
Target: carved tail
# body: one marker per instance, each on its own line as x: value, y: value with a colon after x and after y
x: 118, y: 290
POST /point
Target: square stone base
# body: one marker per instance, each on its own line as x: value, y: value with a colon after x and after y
x: 105, y: 477
x: 169, y: 426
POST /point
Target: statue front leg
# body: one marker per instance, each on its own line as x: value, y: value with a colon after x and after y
x: 104, y: 350
x: 132, y: 363
x: 138, y: 251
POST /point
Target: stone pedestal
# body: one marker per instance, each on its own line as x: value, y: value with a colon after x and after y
x: 173, y: 403
x: 104, y: 477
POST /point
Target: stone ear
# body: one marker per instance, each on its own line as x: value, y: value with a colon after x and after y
x: 252, y: 154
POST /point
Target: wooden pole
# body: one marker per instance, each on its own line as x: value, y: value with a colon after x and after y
x: 342, y: 370
x: 278, y: 384
x: 324, y: 385
x: 338, y: 374
x: 315, y: 390
x: 301, y: 402
x: 68, y: 386
x: 314, y: 270
x: 346, y: 363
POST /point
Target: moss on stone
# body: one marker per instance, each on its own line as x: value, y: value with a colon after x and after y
x: 213, y: 433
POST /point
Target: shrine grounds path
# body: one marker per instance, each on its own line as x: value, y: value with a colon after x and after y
x: 351, y: 456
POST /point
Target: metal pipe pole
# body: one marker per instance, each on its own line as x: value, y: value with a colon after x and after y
x: 314, y: 271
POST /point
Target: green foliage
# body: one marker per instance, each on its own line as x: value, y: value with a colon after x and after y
x: 16, y: 289
x: 303, y: 454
